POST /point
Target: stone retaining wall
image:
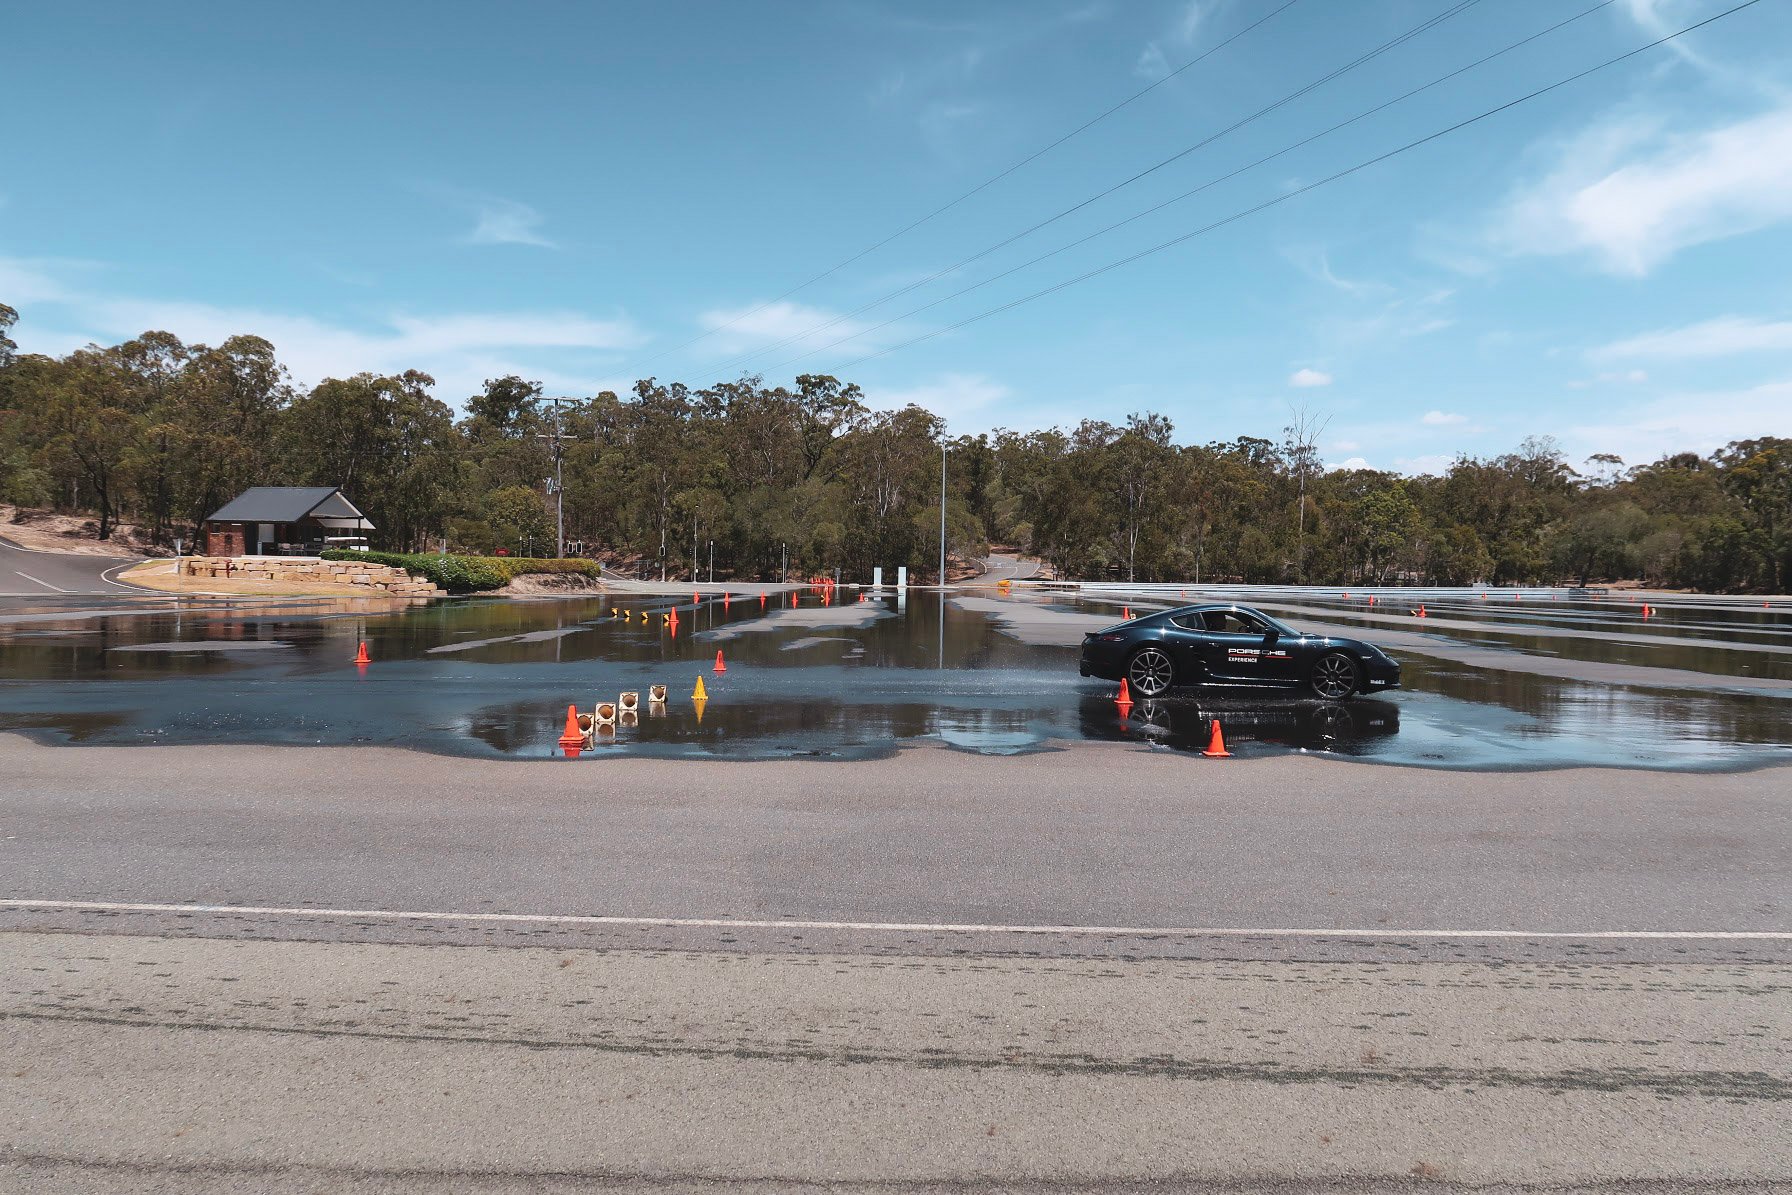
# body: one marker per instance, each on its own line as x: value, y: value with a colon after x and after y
x: 380, y: 578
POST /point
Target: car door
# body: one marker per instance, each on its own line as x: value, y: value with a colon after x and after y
x: 1232, y: 647
x: 1185, y: 638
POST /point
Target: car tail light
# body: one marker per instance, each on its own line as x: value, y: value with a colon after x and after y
x: 1113, y: 638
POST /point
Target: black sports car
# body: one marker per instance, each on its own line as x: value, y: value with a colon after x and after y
x: 1232, y: 645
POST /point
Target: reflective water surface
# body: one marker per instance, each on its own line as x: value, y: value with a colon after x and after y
x: 850, y: 679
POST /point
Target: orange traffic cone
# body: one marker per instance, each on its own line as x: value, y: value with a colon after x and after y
x: 572, y: 738
x: 720, y: 667
x: 1124, y: 696
x: 1126, y: 613
x: 726, y: 598
x: 1371, y: 599
x: 361, y: 657
x: 1216, y: 744
x: 762, y: 601
x: 1421, y: 609
x: 1647, y: 610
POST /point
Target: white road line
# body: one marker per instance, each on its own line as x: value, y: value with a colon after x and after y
x: 106, y: 576
x: 45, y: 584
x: 110, y: 906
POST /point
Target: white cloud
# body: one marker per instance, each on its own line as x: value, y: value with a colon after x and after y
x: 1441, y: 419
x: 1688, y: 422
x: 793, y: 328
x: 1632, y: 194
x: 1721, y: 337
x: 952, y: 397
x: 1434, y: 464
x: 1188, y: 26
x: 458, y: 349
x: 507, y: 222
x: 1152, y: 65
x: 1305, y: 378
x: 1355, y: 462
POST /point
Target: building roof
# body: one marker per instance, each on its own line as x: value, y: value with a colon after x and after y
x: 285, y: 504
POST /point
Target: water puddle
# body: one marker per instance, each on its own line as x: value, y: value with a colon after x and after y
x: 804, y: 676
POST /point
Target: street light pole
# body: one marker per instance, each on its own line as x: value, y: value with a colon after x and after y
x: 942, y: 512
x: 559, y: 486
x: 712, y: 562
x: 784, y: 566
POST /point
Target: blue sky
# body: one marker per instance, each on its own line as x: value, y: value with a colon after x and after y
x: 574, y: 191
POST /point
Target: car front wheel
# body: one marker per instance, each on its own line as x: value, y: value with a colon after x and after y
x: 1150, y: 673
x: 1335, y: 676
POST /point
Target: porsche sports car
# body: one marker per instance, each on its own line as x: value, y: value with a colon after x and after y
x: 1232, y: 645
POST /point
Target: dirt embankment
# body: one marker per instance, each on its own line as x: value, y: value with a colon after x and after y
x: 534, y: 584
x: 78, y: 534
x: 159, y: 575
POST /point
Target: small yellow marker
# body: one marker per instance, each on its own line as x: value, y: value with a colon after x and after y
x: 700, y: 694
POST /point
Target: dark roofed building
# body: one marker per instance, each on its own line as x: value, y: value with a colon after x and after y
x: 277, y: 520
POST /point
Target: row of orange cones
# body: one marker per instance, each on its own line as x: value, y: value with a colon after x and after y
x: 361, y: 657
x: 1216, y: 738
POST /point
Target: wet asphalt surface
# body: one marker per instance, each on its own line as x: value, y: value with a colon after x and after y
x: 703, y: 956
x: 1490, y: 682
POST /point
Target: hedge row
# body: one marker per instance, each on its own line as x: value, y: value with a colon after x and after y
x: 468, y: 574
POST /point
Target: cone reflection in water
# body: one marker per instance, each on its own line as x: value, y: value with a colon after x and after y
x: 697, y: 703
x: 628, y: 718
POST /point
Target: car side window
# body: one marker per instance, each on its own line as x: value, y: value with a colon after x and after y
x: 1229, y: 622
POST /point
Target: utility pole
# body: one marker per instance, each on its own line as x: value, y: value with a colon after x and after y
x: 784, y: 567
x: 559, y: 489
x: 942, y: 512
x: 712, y: 562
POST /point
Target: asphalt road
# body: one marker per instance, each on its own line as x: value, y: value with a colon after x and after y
x: 1099, y: 966
x: 1004, y: 568
x: 25, y: 572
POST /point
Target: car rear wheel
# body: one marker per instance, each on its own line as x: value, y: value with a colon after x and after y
x: 1335, y: 676
x: 1150, y: 672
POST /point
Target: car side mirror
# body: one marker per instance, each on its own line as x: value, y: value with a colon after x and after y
x: 1270, y: 636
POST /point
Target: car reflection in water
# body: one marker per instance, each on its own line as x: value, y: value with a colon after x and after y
x: 1349, y: 727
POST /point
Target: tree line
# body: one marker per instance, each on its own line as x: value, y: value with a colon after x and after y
x: 159, y: 434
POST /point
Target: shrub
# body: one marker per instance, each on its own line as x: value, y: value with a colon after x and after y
x: 468, y: 574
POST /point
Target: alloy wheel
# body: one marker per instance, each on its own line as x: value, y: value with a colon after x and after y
x: 1150, y: 672
x: 1334, y: 677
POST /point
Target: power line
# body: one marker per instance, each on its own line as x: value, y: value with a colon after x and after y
x: 1423, y: 27
x: 988, y: 182
x: 1210, y: 183
x: 1280, y: 199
